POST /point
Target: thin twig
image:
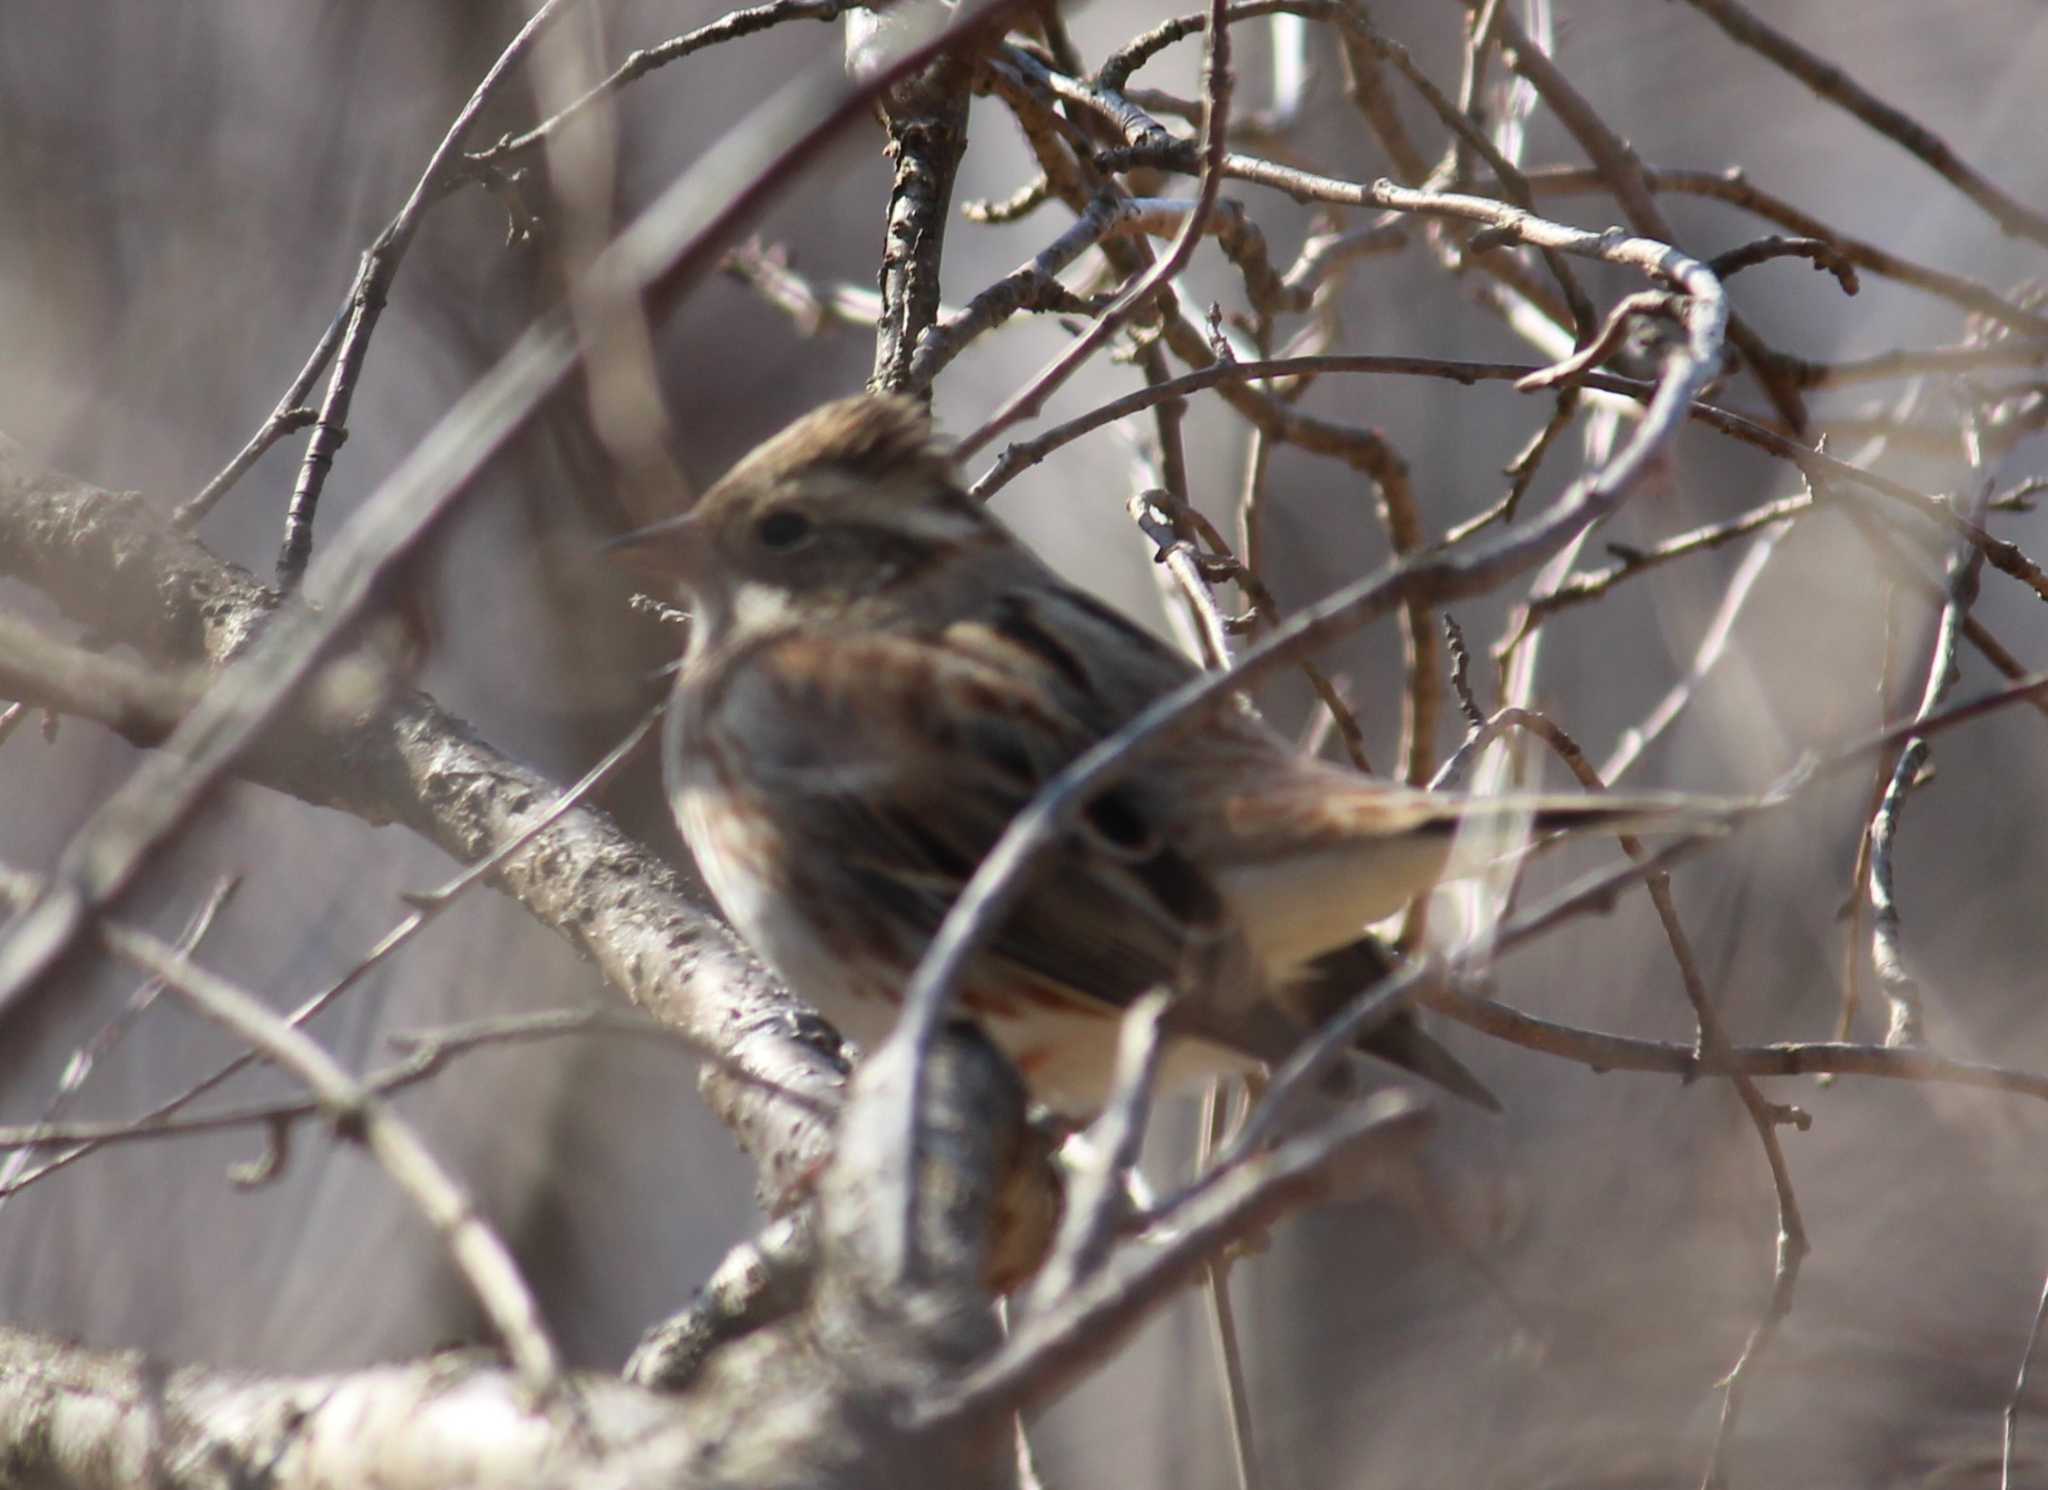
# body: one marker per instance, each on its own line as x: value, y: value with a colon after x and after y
x: 1361, y: 55
x: 2008, y: 558
x: 1602, y: 1050
x: 1303, y: 1072
x: 743, y: 22
x: 1906, y: 363
x: 1735, y: 188
x: 93, y: 1136
x: 1824, y: 254
x: 426, y: 905
x: 1603, y: 343
x: 1055, y: 140
x: 1017, y: 290
x: 1244, y: 1442
x: 1216, y: 118
x: 2019, y: 1388
x: 1857, y: 905
x: 1829, y: 81
x: 1596, y: 892
x: 289, y: 417
x: 1619, y: 165
x: 1514, y: 186
x: 367, y: 297
x: 1714, y: 1043
x: 1177, y: 554
x: 1020, y: 204
x: 1901, y: 987
x: 79, y: 1068
x: 143, y: 704
x: 361, y: 1116
x: 1521, y: 471
x: 1461, y: 680
x: 1586, y: 587
x: 1216, y: 559
x: 813, y: 306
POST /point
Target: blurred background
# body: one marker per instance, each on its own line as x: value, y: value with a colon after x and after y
x: 187, y: 190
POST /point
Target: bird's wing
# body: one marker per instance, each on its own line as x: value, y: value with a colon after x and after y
x: 894, y: 760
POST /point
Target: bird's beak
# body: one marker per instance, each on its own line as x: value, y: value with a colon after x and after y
x: 671, y: 550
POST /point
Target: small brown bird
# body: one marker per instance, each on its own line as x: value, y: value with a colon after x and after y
x: 880, y: 676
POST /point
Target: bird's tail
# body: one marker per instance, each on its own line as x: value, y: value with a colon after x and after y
x: 1339, y: 976
x: 1513, y: 818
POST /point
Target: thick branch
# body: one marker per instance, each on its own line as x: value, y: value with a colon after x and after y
x: 112, y: 562
x: 927, y: 121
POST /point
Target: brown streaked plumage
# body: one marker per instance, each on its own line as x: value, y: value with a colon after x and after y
x: 880, y: 676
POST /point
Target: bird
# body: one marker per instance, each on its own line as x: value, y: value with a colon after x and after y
x: 879, y: 675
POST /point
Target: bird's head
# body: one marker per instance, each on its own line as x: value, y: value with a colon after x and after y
x: 852, y: 499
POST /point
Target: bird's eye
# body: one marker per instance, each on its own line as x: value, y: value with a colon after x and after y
x: 783, y: 529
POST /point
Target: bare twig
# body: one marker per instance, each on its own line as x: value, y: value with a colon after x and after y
x: 2019, y: 1388
x: 140, y: 703
x: 289, y: 417
x: 426, y: 906
x: 1856, y: 905
x: 1887, y: 366
x: 811, y: 306
x: 1901, y: 988
x: 1023, y: 454
x: 1585, y: 587
x: 360, y: 1116
x: 1216, y: 117
x: 1017, y: 290
x: 1461, y: 683
x: 742, y: 22
x: 1596, y: 892
x: 1316, y: 1057
x: 432, y: 1050
x: 2008, y: 558
x: 1734, y: 188
x: 1152, y: 512
x: 1824, y: 254
x: 1362, y: 51
x: 1244, y: 1441
x: 926, y: 116
x: 1601, y: 1050
x: 1020, y: 204
x: 1521, y: 471
x: 367, y: 297
x: 1603, y: 344
x: 1216, y: 558
x: 1514, y: 186
x: 1830, y: 82
x: 1618, y: 164
x: 1792, y: 1244
x: 79, y: 1068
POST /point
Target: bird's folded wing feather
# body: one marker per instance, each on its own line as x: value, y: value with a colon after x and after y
x: 919, y: 748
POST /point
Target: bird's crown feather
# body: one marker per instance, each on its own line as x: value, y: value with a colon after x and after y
x: 876, y: 436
